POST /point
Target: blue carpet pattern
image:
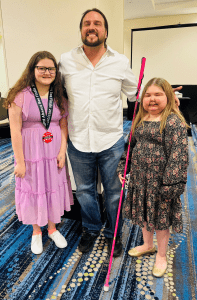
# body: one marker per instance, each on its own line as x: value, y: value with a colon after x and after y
x: 67, y: 274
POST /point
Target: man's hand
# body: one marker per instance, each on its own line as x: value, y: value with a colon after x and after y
x: 177, y: 101
x: 178, y: 88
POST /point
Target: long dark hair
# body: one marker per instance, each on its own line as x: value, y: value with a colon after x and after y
x: 28, y: 77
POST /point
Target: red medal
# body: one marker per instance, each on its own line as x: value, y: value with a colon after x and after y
x: 45, y: 119
x: 47, y: 137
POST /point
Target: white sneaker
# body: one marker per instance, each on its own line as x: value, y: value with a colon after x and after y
x: 58, y: 238
x: 36, y: 244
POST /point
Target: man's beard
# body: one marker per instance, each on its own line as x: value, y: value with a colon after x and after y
x: 92, y: 44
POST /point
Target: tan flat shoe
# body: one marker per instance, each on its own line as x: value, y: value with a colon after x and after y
x: 159, y: 272
x: 134, y: 253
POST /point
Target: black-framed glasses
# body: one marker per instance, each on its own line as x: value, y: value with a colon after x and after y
x: 42, y: 70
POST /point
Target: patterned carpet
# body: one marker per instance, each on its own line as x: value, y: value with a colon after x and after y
x: 67, y: 274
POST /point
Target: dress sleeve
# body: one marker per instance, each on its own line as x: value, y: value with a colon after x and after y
x: 19, y: 99
x: 176, y: 147
x: 122, y: 162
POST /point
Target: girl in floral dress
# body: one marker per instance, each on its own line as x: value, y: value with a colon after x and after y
x: 38, y: 124
x: 158, y: 170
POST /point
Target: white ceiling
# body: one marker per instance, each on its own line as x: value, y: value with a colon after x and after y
x: 134, y: 9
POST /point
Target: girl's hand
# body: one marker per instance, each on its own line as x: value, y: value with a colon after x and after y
x: 20, y: 170
x: 61, y: 160
x: 121, y: 178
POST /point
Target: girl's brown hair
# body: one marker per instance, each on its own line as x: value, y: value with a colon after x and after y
x: 28, y: 77
x: 170, y: 107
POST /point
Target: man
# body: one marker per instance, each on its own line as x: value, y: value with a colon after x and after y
x: 94, y: 76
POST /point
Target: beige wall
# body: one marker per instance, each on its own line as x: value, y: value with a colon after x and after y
x: 3, y: 71
x: 3, y: 77
x: 114, y: 10
x: 34, y: 25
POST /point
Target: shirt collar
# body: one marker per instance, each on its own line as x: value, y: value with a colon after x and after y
x: 109, y: 51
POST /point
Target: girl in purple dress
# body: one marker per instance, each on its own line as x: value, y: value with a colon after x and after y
x: 158, y: 172
x: 38, y: 123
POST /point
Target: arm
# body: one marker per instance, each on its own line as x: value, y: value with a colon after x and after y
x: 129, y: 84
x: 176, y: 143
x: 175, y: 97
x: 15, y: 117
x: 122, y: 163
x: 64, y: 135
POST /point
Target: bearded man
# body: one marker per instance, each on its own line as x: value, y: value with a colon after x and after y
x: 94, y: 76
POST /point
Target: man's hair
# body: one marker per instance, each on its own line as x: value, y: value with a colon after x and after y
x: 98, y: 11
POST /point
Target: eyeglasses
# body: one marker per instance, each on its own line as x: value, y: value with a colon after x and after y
x: 42, y: 70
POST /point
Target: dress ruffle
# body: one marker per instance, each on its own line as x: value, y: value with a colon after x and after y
x: 157, y: 212
x: 45, y: 197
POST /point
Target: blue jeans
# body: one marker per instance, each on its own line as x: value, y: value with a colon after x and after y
x: 84, y: 166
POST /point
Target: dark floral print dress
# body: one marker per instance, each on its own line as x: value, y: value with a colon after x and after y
x: 158, y: 174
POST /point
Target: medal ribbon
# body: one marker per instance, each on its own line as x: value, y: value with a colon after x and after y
x: 45, y: 119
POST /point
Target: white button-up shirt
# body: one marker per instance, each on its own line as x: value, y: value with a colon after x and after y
x: 95, y: 121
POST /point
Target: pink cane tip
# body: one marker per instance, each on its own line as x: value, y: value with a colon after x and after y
x: 106, y: 287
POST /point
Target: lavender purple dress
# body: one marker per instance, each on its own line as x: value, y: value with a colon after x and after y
x: 45, y: 191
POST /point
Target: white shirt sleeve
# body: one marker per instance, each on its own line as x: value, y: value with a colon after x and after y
x: 129, y: 84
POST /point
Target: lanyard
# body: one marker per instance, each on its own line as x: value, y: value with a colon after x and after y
x: 45, y: 119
